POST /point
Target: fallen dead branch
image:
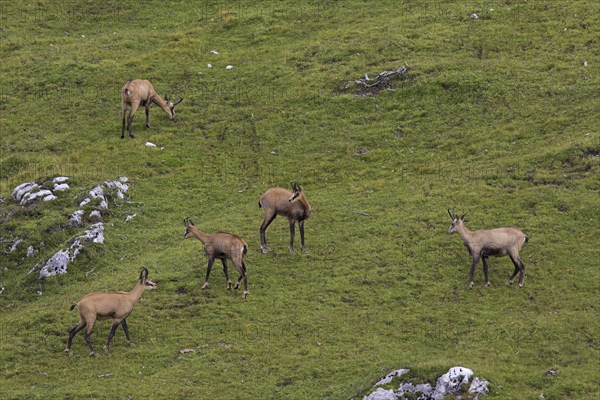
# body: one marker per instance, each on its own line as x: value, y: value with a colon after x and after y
x: 383, y: 81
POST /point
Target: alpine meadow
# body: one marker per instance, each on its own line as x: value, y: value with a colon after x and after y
x: 386, y: 115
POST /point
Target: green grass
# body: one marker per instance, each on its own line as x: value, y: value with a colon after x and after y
x: 498, y: 117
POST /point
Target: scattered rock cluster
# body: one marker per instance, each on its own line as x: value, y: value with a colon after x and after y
x: 98, y: 200
x: 30, y: 191
x: 456, y: 382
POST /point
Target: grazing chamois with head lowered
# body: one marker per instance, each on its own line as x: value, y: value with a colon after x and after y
x: 107, y: 305
x: 140, y: 92
x: 491, y: 242
x: 223, y: 246
x: 294, y: 205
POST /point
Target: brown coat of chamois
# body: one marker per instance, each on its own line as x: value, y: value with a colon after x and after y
x: 223, y: 246
x: 491, y: 242
x: 294, y: 205
x: 107, y: 305
x: 140, y: 92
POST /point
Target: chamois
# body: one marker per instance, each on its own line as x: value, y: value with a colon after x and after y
x: 496, y: 242
x: 223, y: 246
x: 294, y: 205
x: 140, y: 92
x: 107, y: 305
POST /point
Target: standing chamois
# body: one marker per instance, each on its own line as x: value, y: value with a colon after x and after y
x: 491, y: 242
x: 107, y: 305
x: 294, y: 205
x: 140, y: 92
x: 223, y: 246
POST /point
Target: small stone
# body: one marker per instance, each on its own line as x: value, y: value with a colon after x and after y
x: 75, y: 218
x: 31, y: 251
x: 389, y: 377
x: 97, y: 192
x: 61, y: 187
x: 381, y: 394
x: 95, y: 216
x: 24, y: 188
x: 14, y: 246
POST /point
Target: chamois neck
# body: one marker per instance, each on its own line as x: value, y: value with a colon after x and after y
x: 162, y: 103
x: 198, y: 234
x: 136, y: 292
x: 305, y: 204
x: 464, y: 232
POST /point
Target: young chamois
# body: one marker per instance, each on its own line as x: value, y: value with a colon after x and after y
x: 223, y: 246
x: 140, y: 92
x: 107, y: 305
x: 294, y: 205
x: 491, y: 242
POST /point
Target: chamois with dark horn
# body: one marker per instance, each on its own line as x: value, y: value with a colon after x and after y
x: 107, y: 305
x: 223, y: 246
x: 294, y: 205
x: 140, y: 92
x: 496, y: 242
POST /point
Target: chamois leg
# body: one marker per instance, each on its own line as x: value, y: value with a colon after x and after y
x: 88, y: 332
x: 123, y: 112
x: 485, y: 271
x: 148, y: 114
x: 522, y: 272
x: 292, y: 234
x: 301, y: 226
x: 206, y: 285
x: 519, y: 268
x: 226, y: 273
x: 512, y: 277
x: 134, y: 107
x: 113, y: 329
x: 472, y: 271
x: 129, y: 342
x: 244, y: 276
x: 263, y: 237
x: 72, y: 334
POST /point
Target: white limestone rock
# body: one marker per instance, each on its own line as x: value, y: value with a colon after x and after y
x: 24, y: 188
x: 56, y: 265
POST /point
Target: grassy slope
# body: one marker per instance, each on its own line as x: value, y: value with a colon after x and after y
x: 499, y: 118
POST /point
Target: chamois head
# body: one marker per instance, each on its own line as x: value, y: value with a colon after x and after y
x: 296, y: 192
x: 188, y: 228
x: 171, y: 106
x: 456, y: 221
x: 149, y: 285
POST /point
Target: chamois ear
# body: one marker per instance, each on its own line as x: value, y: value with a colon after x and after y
x: 143, y: 275
x: 167, y: 97
x: 463, y: 217
x: 187, y: 222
